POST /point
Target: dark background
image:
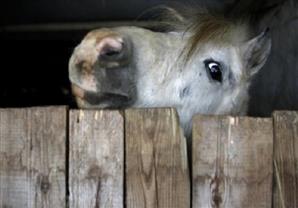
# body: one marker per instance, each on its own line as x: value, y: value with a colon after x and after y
x: 41, y: 11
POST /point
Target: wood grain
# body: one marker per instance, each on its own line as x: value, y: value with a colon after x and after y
x: 96, y: 159
x: 285, y: 160
x: 232, y: 162
x: 157, y: 172
x: 32, y: 157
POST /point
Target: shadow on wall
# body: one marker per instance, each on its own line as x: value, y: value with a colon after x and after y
x: 34, y: 70
x: 14, y: 12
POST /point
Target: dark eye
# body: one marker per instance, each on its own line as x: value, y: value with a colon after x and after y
x: 214, y: 70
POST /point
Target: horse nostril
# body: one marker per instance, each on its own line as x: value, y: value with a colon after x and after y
x: 113, y: 52
x: 110, y: 53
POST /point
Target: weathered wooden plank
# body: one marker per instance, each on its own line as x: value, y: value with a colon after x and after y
x: 157, y: 172
x: 96, y: 159
x: 232, y: 162
x: 285, y: 159
x: 32, y: 157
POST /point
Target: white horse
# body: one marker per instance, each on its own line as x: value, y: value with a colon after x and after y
x: 202, y: 67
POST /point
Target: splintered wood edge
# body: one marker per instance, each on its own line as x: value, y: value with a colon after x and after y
x: 131, y: 115
x: 47, y: 183
x: 285, y: 189
x: 98, y: 174
x: 230, y: 120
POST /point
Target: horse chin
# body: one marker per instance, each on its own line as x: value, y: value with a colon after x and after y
x: 110, y: 100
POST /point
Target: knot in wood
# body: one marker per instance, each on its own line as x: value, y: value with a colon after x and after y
x: 44, y: 184
x: 215, y: 190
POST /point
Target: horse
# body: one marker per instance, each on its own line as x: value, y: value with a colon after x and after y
x: 201, y: 67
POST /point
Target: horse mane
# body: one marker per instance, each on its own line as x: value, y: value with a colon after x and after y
x: 203, y: 26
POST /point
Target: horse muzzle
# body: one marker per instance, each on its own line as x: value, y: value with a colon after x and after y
x: 99, y: 71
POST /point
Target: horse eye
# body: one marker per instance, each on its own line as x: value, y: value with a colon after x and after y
x: 214, y: 70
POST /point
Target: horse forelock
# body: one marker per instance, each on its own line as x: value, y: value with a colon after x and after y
x: 207, y: 28
x: 204, y: 26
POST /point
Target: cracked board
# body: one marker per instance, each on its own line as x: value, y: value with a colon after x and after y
x: 285, y: 159
x: 32, y: 157
x: 96, y: 158
x: 232, y: 162
x: 157, y: 173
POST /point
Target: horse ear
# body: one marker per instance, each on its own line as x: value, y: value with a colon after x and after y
x: 255, y: 52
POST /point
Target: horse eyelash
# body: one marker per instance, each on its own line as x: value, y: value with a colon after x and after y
x: 211, y: 60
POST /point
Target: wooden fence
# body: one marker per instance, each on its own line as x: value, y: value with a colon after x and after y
x: 53, y: 157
